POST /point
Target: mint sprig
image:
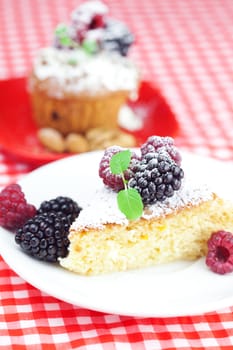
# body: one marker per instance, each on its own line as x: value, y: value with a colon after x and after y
x: 89, y: 46
x: 62, y: 33
x: 120, y: 162
x: 130, y: 203
x: 129, y: 200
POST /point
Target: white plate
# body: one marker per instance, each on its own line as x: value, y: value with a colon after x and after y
x: 183, y: 288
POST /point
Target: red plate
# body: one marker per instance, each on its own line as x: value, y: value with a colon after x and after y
x: 18, y: 133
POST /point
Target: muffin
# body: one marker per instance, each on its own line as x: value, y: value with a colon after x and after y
x: 82, y: 80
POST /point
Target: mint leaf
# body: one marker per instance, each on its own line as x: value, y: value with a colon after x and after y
x: 130, y: 203
x: 129, y: 200
x: 61, y: 30
x: 89, y: 46
x: 120, y: 162
x: 65, y: 41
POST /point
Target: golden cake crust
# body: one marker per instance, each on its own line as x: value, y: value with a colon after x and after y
x: 182, y: 234
x: 76, y: 114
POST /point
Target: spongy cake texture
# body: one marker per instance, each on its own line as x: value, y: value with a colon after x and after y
x: 103, y: 241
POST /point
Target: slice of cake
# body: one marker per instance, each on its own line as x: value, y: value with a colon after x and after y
x: 177, y: 219
x: 102, y: 240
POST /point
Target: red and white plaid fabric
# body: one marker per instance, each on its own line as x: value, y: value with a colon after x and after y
x: 186, y: 49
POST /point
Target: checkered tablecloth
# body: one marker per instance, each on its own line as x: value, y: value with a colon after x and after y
x: 186, y: 49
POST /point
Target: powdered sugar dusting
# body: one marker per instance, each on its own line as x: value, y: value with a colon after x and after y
x: 74, y: 71
x: 103, y: 209
x: 190, y: 194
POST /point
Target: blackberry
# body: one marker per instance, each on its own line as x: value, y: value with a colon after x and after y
x: 155, y: 143
x: 111, y: 180
x: 117, y: 37
x: 156, y: 177
x: 45, y: 237
x: 219, y: 257
x: 14, y: 209
x: 62, y: 205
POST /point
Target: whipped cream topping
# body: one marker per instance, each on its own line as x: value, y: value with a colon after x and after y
x: 76, y: 72
x: 103, y: 208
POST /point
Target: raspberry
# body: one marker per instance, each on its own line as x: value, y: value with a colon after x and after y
x: 219, y: 257
x: 44, y: 237
x: 155, y: 143
x: 97, y: 21
x: 87, y: 18
x: 111, y: 180
x: 62, y: 205
x: 14, y: 209
x: 156, y: 177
